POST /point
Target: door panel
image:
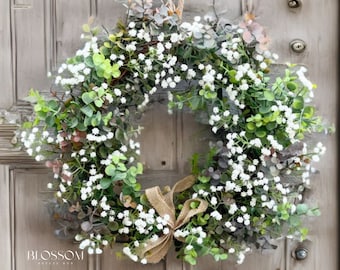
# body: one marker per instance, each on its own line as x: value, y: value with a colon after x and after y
x: 30, y: 50
x: 34, y: 245
x: 38, y: 35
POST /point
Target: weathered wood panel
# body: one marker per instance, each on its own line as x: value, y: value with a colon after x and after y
x: 5, y: 225
x: 37, y: 35
x: 6, y: 75
x: 29, y: 43
x: 314, y: 23
x: 158, y: 137
x: 70, y: 16
x: 33, y: 242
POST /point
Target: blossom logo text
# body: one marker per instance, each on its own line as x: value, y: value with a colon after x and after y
x: 54, y: 256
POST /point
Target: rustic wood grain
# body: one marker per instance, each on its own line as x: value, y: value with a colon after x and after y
x: 37, y: 35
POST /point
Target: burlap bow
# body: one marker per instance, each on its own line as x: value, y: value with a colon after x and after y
x: 154, y: 251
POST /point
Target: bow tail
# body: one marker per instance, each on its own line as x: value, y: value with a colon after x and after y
x: 154, y: 251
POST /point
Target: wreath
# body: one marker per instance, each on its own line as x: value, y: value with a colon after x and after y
x: 244, y: 192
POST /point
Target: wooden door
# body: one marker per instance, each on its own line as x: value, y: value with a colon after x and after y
x: 37, y: 35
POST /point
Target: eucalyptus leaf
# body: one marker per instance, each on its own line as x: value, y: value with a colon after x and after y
x: 110, y: 170
x: 98, y: 59
x: 89, y: 61
x: 86, y: 226
x: 105, y: 183
x: 98, y: 102
x: 118, y: 176
x: 87, y: 98
x: 302, y: 208
x: 268, y: 95
x: 86, y: 28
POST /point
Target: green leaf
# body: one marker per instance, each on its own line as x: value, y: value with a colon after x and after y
x: 81, y: 127
x: 284, y: 215
x: 268, y: 95
x: 115, y: 71
x: 89, y: 61
x: 304, y: 232
x: 130, y: 180
x: 314, y: 212
x: 98, y: 59
x: 258, y: 117
x: 203, y: 179
x: 113, y: 226
x: 139, y: 168
x: 223, y: 256
x: 53, y: 105
x: 291, y: 86
x: 194, y: 102
x: 95, y: 121
x: 87, y: 110
x: 232, y: 74
x: 298, y: 103
x: 215, y: 250
x: 87, y: 121
x: 33, y: 96
x: 118, y: 176
x: 261, y: 133
x: 294, y: 221
x: 119, y: 134
x: 194, y: 204
x: 308, y: 112
x: 187, y: 53
x: 98, y: 102
x: 73, y: 122
x: 110, y: 170
x: 49, y: 120
x: 100, y: 92
x: 264, y: 109
x: 250, y: 127
x: 87, y: 97
x: 121, y: 167
x: 137, y: 187
x: 107, y: 118
x: 100, y: 72
x: 201, y: 221
x: 210, y: 95
x: 189, y: 259
x: 37, y: 107
x: 301, y: 208
x: 105, y: 183
x: 112, y: 38
x: 86, y: 28
x: 107, y: 44
x: 271, y: 125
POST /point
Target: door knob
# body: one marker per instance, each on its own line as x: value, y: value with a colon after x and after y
x: 294, y: 3
x: 297, y: 45
x: 301, y: 253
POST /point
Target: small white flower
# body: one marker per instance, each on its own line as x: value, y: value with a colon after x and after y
x: 98, y: 251
x: 85, y: 243
x: 117, y: 92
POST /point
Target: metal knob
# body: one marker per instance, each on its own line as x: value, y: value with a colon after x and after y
x: 301, y: 253
x: 294, y: 3
x: 298, y: 45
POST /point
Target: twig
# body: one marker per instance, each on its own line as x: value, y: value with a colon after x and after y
x: 215, y: 12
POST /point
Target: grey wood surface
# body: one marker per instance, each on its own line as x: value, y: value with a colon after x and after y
x: 37, y: 35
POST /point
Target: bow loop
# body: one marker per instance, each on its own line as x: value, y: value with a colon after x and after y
x: 154, y: 251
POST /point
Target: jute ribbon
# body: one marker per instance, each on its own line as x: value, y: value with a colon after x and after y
x: 176, y: 9
x: 247, y: 6
x: 154, y: 251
